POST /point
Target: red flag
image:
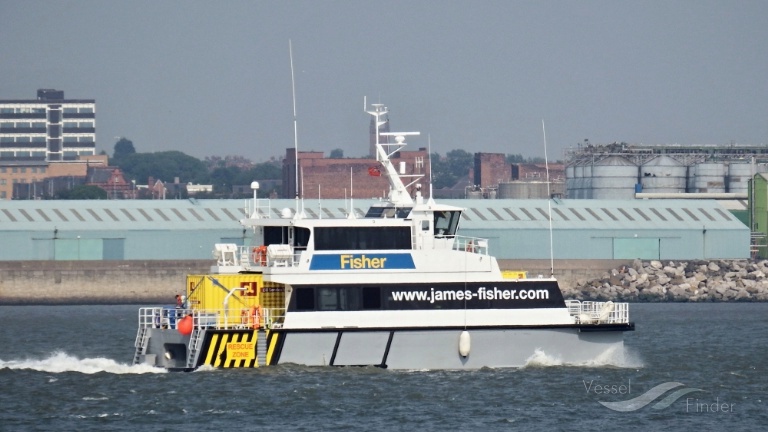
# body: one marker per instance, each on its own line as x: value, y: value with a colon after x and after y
x: 374, y: 171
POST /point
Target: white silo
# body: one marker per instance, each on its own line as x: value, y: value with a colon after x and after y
x: 586, y: 183
x: 710, y: 177
x: 524, y: 190
x: 614, y: 177
x: 569, y: 181
x: 663, y: 174
x: 739, y: 174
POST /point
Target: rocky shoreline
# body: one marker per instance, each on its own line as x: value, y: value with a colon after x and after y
x: 678, y: 281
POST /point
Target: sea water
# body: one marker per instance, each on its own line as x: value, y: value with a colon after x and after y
x: 686, y: 367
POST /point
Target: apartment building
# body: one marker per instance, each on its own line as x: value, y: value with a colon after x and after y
x: 36, y: 133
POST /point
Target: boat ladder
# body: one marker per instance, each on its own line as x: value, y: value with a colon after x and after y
x: 141, y: 344
x: 261, y: 348
x: 195, y: 341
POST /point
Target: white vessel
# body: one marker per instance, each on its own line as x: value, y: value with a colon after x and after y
x: 398, y: 288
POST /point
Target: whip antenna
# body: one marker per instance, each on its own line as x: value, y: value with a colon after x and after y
x: 549, y: 204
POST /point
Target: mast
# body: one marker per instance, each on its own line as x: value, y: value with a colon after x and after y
x: 398, y: 192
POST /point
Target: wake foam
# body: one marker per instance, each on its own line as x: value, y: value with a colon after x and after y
x: 59, y: 362
x: 620, y: 357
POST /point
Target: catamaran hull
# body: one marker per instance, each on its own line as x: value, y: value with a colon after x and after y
x: 390, y: 348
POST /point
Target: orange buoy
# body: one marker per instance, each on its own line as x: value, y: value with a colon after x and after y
x: 185, y: 325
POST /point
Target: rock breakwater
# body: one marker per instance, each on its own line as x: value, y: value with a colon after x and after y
x: 678, y: 281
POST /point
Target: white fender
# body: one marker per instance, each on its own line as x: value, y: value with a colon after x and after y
x: 464, y: 343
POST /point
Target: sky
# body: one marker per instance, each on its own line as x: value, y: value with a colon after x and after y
x: 214, y: 78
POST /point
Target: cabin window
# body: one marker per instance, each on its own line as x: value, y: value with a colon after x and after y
x: 389, y: 212
x: 301, y: 237
x: 279, y: 235
x: 446, y: 222
x: 371, y: 298
x: 362, y: 238
x: 305, y: 299
x: 425, y: 225
x: 337, y: 299
x: 275, y: 235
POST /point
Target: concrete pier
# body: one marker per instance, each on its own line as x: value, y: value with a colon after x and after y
x: 95, y: 282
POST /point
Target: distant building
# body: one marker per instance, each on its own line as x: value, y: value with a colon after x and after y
x: 112, y: 180
x: 645, y: 171
x: 350, y: 177
x: 491, y: 169
x: 495, y: 178
x: 36, y: 134
x: 47, y: 129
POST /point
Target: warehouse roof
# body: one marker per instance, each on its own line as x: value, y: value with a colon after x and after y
x: 480, y: 214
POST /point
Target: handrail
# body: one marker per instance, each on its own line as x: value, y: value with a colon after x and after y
x: 476, y: 245
x: 250, y: 259
x: 591, y: 312
x: 168, y: 317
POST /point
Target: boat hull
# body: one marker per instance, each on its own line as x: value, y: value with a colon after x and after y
x: 404, y: 348
x: 439, y: 348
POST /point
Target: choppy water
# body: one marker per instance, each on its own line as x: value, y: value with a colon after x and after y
x: 68, y: 368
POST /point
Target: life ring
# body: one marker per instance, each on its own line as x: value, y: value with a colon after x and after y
x: 259, y: 255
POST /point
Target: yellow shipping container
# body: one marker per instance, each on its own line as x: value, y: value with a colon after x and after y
x: 234, y: 296
x: 514, y: 274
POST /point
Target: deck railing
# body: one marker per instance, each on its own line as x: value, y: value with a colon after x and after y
x: 590, y: 312
x: 168, y: 317
x: 471, y: 244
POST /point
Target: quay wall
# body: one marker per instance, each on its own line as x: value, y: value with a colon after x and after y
x: 95, y: 282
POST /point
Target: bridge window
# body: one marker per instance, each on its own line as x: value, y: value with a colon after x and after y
x: 362, y: 238
x: 388, y: 212
x: 446, y: 222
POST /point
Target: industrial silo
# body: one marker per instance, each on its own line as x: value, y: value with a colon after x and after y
x: 614, y: 177
x: 569, y: 181
x: 475, y: 194
x: 739, y: 175
x: 586, y: 183
x: 663, y: 174
x: 710, y: 177
x: 523, y: 190
x: 690, y: 182
x: 578, y: 182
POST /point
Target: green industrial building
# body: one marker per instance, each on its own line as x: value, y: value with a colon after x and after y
x: 117, y: 230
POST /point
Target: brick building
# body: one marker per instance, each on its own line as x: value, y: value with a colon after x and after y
x: 355, y: 177
x: 490, y: 169
x: 538, y: 172
x: 33, y: 180
x: 111, y: 179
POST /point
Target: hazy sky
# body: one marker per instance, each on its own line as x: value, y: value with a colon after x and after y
x: 213, y: 78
